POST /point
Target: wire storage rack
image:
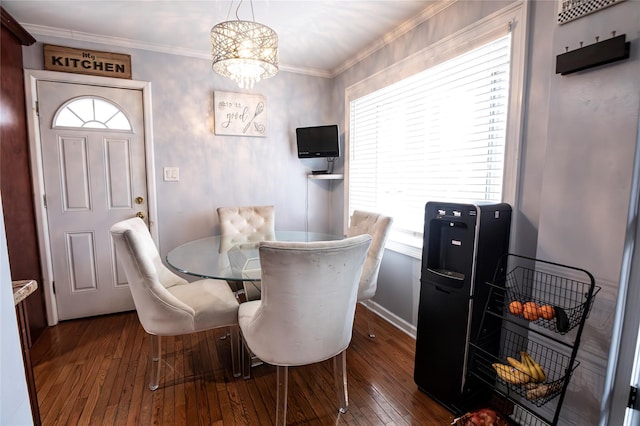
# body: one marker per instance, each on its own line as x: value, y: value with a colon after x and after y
x: 527, y: 362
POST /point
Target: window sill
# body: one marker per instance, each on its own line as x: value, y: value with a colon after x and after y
x: 409, y: 246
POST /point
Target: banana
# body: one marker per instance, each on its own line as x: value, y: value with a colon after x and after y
x: 540, y: 374
x: 510, y: 374
x: 533, y: 372
x: 522, y: 366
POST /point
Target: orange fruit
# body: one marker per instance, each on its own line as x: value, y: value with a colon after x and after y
x: 515, y: 308
x: 547, y: 312
x: 531, y: 311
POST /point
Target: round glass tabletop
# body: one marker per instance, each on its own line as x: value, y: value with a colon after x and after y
x: 207, y: 258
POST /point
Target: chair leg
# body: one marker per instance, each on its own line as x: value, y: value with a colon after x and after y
x: 282, y: 377
x: 245, y: 358
x: 340, y: 376
x: 370, y: 322
x: 236, y: 351
x: 155, y: 353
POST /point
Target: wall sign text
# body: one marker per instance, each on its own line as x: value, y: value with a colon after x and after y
x: 83, y: 61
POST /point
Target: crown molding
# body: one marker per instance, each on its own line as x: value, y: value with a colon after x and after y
x: 430, y: 11
x: 433, y: 9
x: 114, y: 41
x: 152, y: 47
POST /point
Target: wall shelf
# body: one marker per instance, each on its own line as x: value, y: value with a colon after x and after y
x: 326, y: 176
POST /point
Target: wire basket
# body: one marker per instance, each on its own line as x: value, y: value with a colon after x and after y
x: 557, y: 303
x: 547, y: 294
x: 535, y: 390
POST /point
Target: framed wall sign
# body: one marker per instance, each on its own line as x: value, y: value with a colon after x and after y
x: 239, y: 114
x: 574, y: 9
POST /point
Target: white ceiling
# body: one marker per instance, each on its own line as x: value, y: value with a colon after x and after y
x: 315, y: 37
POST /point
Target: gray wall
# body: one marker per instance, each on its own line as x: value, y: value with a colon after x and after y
x: 577, y: 153
x: 592, y: 123
x: 225, y: 170
x: 576, y: 161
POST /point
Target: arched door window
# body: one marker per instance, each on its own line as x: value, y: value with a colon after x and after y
x: 91, y: 112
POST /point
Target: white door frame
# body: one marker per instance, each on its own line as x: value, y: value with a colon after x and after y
x: 624, y: 352
x: 31, y: 77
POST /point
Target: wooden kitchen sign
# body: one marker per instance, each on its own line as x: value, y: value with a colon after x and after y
x: 84, y: 61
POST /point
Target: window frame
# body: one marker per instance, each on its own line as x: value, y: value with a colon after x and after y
x: 512, y: 18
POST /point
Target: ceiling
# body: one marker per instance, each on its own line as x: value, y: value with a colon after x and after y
x: 315, y: 37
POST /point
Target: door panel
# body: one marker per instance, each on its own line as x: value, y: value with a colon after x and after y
x: 72, y: 153
x: 92, y: 176
x: 119, y: 179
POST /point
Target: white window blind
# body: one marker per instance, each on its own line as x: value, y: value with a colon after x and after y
x: 438, y: 135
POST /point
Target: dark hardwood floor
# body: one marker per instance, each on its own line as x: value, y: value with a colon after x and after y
x: 93, y: 372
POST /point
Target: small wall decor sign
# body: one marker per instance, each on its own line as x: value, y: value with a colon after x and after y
x: 84, y: 61
x: 239, y: 114
x: 574, y: 9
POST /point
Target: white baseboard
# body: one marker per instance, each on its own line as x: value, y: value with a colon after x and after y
x: 392, y: 318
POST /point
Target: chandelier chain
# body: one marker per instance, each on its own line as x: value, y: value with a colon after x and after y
x: 253, y: 15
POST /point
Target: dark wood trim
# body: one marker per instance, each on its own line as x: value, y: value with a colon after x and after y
x: 15, y: 175
x: 16, y: 29
x: 25, y: 341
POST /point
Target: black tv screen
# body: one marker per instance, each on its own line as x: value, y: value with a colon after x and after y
x: 318, y: 141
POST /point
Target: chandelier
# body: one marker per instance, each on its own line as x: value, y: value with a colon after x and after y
x: 244, y: 51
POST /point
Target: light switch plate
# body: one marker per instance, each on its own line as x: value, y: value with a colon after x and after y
x: 171, y: 174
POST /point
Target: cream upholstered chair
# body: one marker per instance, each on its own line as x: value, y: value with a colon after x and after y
x: 378, y: 227
x: 242, y: 226
x: 168, y: 305
x: 248, y: 224
x: 305, y: 315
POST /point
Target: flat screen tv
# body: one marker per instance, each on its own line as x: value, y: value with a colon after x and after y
x: 318, y: 141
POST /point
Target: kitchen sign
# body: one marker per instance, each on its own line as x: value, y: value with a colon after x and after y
x: 84, y: 61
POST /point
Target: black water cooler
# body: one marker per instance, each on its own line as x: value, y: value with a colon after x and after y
x: 462, y: 246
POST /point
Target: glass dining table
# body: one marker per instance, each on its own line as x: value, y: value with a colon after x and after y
x: 214, y: 257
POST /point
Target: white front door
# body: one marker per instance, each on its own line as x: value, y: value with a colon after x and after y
x: 93, y: 160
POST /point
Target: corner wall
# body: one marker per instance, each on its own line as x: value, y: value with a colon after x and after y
x: 576, y: 163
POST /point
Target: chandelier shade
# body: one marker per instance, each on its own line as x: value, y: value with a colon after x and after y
x: 244, y: 51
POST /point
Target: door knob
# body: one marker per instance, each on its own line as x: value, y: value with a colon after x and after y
x: 139, y: 200
x: 140, y: 215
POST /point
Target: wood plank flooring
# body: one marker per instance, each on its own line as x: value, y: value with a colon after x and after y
x: 93, y: 372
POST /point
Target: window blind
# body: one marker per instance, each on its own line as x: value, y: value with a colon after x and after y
x: 438, y: 135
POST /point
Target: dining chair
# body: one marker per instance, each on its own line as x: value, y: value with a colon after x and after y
x: 166, y: 304
x: 245, y: 226
x: 378, y: 226
x: 307, y: 308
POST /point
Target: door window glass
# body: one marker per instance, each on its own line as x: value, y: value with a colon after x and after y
x: 91, y: 112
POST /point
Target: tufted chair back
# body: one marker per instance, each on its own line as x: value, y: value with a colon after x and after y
x: 378, y: 227
x: 246, y: 225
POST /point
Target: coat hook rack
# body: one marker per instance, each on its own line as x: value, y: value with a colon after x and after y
x: 599, y: 53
